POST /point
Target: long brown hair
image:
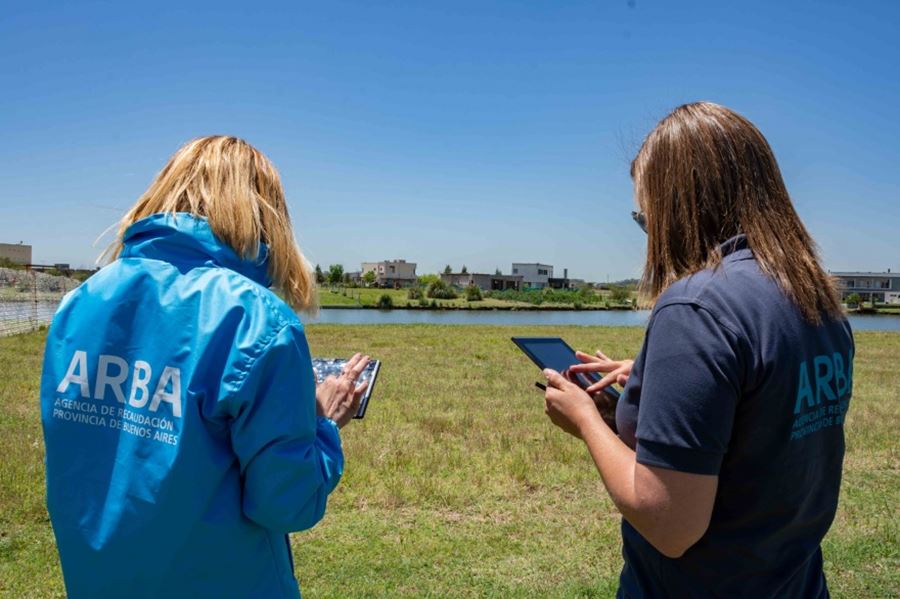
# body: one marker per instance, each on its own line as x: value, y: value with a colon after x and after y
x: 705, y: 174
x: 238, y: 190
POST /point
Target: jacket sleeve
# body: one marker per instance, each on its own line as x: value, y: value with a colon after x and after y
x: 290, y: 459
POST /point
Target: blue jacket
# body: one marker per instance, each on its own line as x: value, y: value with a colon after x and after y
x: 178, y: 406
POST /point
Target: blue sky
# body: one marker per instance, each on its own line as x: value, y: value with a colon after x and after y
x: 476, y: 133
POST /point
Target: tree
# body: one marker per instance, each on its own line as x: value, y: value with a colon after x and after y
x: 853, y: 300
x: 498, y: 272
x: 426, y: 280
x: 473, y: 293
x: 447, y: 270
x: 335, y: 274
x: 385, y: 302
x: 369, y: 278
x: 320, y: 276
x: 464, y: 270
x: 619, y: 293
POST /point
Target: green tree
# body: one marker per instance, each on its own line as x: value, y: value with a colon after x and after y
x: 426, y: 280
x: 335, y: 274
x: 385, y: 302
x: 464, y: 270
x: 498, y: 272
x: 320, y: 276
x: 853, y: 300
x: 619, y: 293
x: 447, y: 270
x: 473, y: 293
x: 369, y: 278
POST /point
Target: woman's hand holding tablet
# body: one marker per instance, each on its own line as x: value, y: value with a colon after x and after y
x: 552, y: 354
x: 615, y: 371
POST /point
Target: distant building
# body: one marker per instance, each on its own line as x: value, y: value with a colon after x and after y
x: 877, y: 287
x: 485, y: 282
x: 391, y: 273
x: 534, y: 275
x: 19, y: 253
x: 565, y: 282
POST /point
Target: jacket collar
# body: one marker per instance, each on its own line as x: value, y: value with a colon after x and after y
x: 183, y: 239
x: 736, y: 249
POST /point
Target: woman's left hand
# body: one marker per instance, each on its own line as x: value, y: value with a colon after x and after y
x: 568, y: 405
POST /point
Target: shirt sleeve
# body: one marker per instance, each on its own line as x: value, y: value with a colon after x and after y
x: 290, y: 459
x: 689, y: 390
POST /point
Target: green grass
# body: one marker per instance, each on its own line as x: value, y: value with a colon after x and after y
x: 457, y: 485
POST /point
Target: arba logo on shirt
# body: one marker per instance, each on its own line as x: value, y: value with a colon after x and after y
x: 112, y: 372
x: 828, y: 376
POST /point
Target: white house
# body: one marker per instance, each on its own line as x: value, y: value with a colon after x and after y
x: 391, y: 273
x: 877, y: 287
x: 534, y: 274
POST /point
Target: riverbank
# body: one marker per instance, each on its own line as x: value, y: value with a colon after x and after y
x: 363, y: 297
x: 456, y: 485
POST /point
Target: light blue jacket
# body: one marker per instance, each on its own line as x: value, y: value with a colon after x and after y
x: 178, y: 405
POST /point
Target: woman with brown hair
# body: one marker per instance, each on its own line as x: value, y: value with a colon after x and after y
x: 727, y: 463
x: 185, y: 434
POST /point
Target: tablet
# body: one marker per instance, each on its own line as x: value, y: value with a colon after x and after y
x: 325, y: 367
x: 553, y: 352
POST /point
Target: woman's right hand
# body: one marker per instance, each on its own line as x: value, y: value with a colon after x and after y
x: 615, y: 371
x: 337, y: 397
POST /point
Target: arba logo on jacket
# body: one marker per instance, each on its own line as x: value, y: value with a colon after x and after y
x: 112, y: 374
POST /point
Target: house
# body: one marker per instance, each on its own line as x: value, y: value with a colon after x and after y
x: 391, y: 273
x: 485, y: 282
x: 534, y: 275
x: 17, y: 253
x: 876, y: 287
x: 565, y: 282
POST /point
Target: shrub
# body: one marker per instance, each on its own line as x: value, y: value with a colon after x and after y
x: 440, y: 290
x: 473, y: 293
x: 619, y: 293
x: 423, y: 302
x: 385, y: 302
x: 414, y: 293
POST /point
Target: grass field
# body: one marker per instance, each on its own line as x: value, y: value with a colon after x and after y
x: 456, y: 483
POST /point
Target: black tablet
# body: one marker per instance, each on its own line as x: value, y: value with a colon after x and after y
x: 325, y: 367
x: 553, y: 352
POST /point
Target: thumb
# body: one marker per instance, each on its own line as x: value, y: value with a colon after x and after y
x: 555, y: 379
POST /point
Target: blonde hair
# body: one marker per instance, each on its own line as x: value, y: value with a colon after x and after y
x: 705, y: 174
x: 237, y: 189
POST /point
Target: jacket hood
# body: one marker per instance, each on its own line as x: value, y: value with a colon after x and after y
x: 183, y: 239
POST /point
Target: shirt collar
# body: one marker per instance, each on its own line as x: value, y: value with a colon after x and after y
x: 736, y: 249
x: 185, y: 239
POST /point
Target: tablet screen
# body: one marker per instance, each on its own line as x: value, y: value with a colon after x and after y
x: 325, y: 367
x: 553, y: 352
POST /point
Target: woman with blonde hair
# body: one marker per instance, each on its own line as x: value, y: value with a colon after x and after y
x: 185, y: 435
x: 727, y: 463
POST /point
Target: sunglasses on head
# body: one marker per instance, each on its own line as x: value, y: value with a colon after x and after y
x: 641, y: 219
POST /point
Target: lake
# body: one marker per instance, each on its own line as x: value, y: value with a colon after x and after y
x: 608, y: 318
x: 21, y: 316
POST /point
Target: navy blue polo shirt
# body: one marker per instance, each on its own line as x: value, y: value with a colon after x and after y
x: 732, y: 381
